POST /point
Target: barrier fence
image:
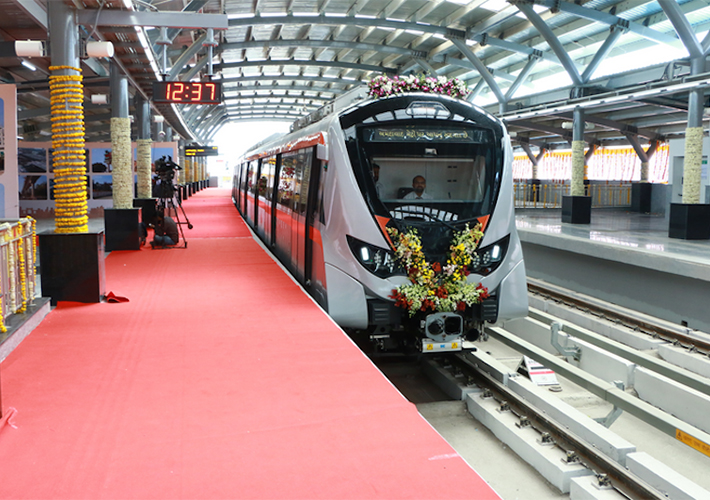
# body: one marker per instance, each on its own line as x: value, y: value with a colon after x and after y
x: 609, y: 195
x: 18, y: 255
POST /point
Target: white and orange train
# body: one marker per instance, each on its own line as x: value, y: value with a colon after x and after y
x: 314, y: 198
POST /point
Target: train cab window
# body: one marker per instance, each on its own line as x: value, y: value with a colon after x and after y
x: 419, y: 172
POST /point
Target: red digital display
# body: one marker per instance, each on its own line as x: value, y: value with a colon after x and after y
x: 187, y: 92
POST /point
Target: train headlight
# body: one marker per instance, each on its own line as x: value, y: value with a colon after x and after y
x: 487, y: 259
x: 379, y: 261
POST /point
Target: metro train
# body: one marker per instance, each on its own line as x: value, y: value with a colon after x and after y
x: 328, y: 197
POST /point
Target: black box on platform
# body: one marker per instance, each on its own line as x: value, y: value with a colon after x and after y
x: 577, y: 209
x: 689, y: 221
x: 72, y: 266
x: 148, y: 208
x: 641, y: 197
x: 122, y: 228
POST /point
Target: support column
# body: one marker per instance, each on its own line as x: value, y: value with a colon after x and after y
x: 72, y: 258
x: 577, y: 182
x: 144, y: 191
x: 121, y: 221
x: 144, y: 143
x: 577, y: 208
x: 690, y: 220
x: 120, y: 141
x: 67, y: 101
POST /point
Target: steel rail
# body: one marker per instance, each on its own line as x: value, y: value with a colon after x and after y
x: 576, y: 448
x: 684, y: 432
x: 655, y: 330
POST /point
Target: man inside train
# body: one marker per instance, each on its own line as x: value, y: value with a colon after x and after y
x: 419, y: 185
x: 376, y: 177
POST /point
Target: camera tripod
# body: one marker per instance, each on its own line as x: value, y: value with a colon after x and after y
x: 169, y: 208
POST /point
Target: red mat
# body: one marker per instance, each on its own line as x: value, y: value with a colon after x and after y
x: 219, y: 378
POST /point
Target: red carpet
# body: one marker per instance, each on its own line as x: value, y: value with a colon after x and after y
x: 218, y: 379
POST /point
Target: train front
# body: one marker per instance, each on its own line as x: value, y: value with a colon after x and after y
x: 435, y: 175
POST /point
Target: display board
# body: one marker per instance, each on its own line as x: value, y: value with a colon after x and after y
x: 35, y: 176
x: 9, y: 202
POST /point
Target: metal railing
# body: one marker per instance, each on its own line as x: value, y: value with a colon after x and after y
x: 18, y: 254
x: 549, y: 195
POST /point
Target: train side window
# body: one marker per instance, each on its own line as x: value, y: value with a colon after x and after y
x: 286, y: 185
x: 266, y: 181
x: 305, y: 161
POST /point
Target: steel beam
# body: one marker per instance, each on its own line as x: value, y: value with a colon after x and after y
x: 610, y: 19
x: 185, y: 57
x: 281, y: 77
x: 301, y: 88
x: 482, y: 70
x: 543, y: 128
x: 298, y: 62
x: 172, y: 33
x: 521, y: 77
x: 682, y: 27
x: 183, y: 20
x: 321, y: 19
x: 601, y: 54
x: 552, y: 41
x: 331, y: 44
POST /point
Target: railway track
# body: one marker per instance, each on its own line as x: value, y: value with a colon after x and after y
x: 668, y: 399
x: 607, y: 474
x: 678, y: 335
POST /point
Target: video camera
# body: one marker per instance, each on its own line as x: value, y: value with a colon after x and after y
x: 165, y: 170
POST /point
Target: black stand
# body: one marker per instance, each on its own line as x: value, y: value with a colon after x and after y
x: 122, y: 228
x: 169, y: 208
x: 72, y: 266
x: 147, y: 206
x: 577, y: 209
x: 641, y: 197
x: 689, y: 221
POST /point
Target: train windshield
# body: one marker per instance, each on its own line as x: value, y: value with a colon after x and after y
x: 424, y: 172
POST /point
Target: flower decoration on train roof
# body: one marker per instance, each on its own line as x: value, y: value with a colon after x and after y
x: 383, y: 86
x: 434, y: 287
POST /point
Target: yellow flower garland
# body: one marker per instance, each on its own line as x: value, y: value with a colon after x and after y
x: 66, y: 99
x: 23, y: 276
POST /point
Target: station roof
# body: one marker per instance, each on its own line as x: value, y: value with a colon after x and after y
x: 283, y: 59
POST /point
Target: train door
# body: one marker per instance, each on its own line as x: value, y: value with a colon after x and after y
x: 283, y: 212
x: 315, y: 222
x: 299, y: 233
x: 235, y: 185
x: 250, y: 201
x: 265, y: 190
x: 277, y: 173
x: 245, y: 188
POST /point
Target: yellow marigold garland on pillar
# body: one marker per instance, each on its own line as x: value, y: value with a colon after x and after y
x: 69, y: 159
x: 143, y: 154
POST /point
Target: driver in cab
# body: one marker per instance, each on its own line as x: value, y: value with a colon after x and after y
x: 419, y: 185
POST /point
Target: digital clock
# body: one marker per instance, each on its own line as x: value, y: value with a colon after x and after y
x: 187, y: 92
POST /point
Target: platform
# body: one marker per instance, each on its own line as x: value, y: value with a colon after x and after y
x: 218, y: 378
x: 624, y: 257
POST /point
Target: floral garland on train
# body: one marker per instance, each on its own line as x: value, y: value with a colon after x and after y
x: 434, y: 287
x: 383, y: 86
